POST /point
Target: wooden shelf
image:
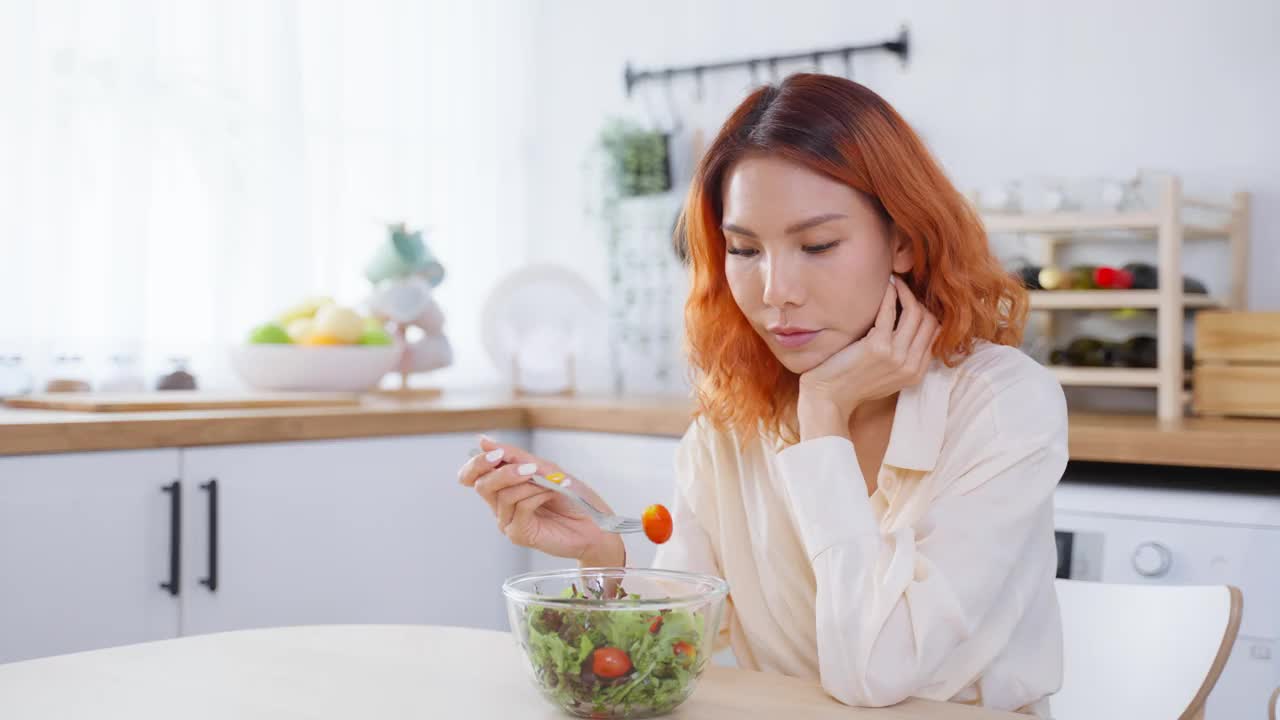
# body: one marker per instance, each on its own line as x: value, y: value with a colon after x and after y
x: 1104, y: 299
x: 1069, y: 222
x: 1143, y: 225
x: 1107, y: 377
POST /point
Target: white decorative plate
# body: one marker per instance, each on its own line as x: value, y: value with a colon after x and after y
x: 542, y: 314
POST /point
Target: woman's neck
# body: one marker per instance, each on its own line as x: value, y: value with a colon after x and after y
x: 872, y: 413
x: 869, y: 430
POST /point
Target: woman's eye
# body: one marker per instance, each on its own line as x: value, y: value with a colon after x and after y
x: 815, y: 249
x: 742, y: 252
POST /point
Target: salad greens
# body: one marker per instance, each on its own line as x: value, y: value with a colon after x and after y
x: 577, y: 660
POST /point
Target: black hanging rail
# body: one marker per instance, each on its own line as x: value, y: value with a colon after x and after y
x: 900, y: 46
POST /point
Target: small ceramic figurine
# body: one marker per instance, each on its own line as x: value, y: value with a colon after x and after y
x: 403, y: 273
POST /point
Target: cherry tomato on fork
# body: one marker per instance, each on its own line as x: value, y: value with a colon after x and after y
x: 657, y: 523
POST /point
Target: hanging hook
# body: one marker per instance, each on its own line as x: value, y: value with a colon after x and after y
x: 676, y: 122
x: 628, y: 78
x: 650, y: 111
x: 817, y: 62
x: 848, y: 65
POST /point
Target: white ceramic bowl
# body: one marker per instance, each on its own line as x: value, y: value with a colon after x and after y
x: 322, y: 368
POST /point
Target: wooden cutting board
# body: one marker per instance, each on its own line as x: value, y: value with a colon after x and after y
x: 178, y: 400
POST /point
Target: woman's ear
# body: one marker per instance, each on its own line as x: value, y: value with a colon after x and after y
x: 904, y: 256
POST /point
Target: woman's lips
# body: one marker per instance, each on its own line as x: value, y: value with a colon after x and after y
x: 792, y: 339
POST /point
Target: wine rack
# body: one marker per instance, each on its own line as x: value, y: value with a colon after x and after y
x: 1169, y: 226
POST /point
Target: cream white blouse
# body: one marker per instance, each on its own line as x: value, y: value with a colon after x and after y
x: 939, y: 585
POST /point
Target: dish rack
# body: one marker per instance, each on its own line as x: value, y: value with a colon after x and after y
x: 1168, y: 225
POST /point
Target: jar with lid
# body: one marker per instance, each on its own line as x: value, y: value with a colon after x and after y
x: 15, y: 379
x: 178, y: 376
x: 67, y: 375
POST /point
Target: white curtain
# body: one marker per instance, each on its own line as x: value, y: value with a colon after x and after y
x: 173, y: 172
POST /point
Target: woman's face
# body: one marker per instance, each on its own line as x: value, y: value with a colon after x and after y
x: 808, y: 258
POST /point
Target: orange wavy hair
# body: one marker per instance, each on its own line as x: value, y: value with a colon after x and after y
x: 845, y: 131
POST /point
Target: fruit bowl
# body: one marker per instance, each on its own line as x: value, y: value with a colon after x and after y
x: 616, y: 642
x: 321, y: 368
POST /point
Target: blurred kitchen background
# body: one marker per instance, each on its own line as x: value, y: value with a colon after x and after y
x: 177, y: 173
x: 248, y: 197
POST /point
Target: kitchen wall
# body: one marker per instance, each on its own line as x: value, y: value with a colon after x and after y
x: 999, y: 89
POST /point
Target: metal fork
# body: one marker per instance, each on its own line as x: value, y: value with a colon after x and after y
x: 619, y: 524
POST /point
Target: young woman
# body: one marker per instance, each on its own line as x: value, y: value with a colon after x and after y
x: 873, y: 462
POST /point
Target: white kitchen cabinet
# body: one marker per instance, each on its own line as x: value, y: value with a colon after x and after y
x: 84, y: 548
x: 630, y: 472
x: 353, y: 531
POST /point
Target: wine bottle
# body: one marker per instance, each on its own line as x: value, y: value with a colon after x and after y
x: 1139, y: 351
x: 1086, y: 352
x: 1030, y: 276
x: 1142, y: 351
x: 1193, y: 286
x: 1051, y: 278
x: 1112, y: 278
x: 1082, y: 277
x: 1146, y: 277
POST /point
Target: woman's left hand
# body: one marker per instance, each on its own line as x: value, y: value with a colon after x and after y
x: 882, y: 363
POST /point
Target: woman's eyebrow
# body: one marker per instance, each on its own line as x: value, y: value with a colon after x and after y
x: 793, y: 229
x: 814, y: 222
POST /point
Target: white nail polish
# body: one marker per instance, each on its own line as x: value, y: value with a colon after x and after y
x: 494, y: 455
x: 527, y: 469
x: 893, y: 280
x: 566, y: 482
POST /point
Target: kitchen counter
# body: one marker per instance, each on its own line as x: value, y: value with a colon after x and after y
x: 1196, y: 442
x: 378, y: 671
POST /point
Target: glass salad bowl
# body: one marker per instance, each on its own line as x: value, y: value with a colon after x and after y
x: 616, y: 642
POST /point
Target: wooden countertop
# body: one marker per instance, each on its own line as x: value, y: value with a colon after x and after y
x: 377, y: 671
x: 1196, y: 442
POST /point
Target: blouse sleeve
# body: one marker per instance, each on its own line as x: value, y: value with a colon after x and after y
x: 894, y: 602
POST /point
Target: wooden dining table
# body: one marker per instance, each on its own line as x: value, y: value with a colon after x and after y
x: 373, y: 672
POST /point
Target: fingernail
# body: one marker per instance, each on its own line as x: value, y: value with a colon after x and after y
x: 893, y: 280
x: 494, y: 455
x: 486, y: 438
x: 527, y: 469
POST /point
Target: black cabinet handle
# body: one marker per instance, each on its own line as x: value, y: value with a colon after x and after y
x: 174, y: 489
x: 211, y: 581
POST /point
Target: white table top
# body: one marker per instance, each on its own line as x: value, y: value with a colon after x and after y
x: 375, y: 671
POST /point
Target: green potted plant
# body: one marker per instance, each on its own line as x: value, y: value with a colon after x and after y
x: 639, y: 163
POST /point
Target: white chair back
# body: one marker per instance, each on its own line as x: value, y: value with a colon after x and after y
x: 1142, y: 652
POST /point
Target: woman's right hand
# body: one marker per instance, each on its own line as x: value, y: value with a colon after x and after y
x: 535, y: 517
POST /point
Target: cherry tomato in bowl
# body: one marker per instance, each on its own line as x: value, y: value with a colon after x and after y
x: 685, y: 651
x: 610, y: 662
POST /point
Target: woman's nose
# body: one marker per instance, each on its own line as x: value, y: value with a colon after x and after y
x: 782, y: 287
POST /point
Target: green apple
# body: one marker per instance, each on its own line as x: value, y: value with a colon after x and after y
x: 269, y: 334
x: 375, y: 336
